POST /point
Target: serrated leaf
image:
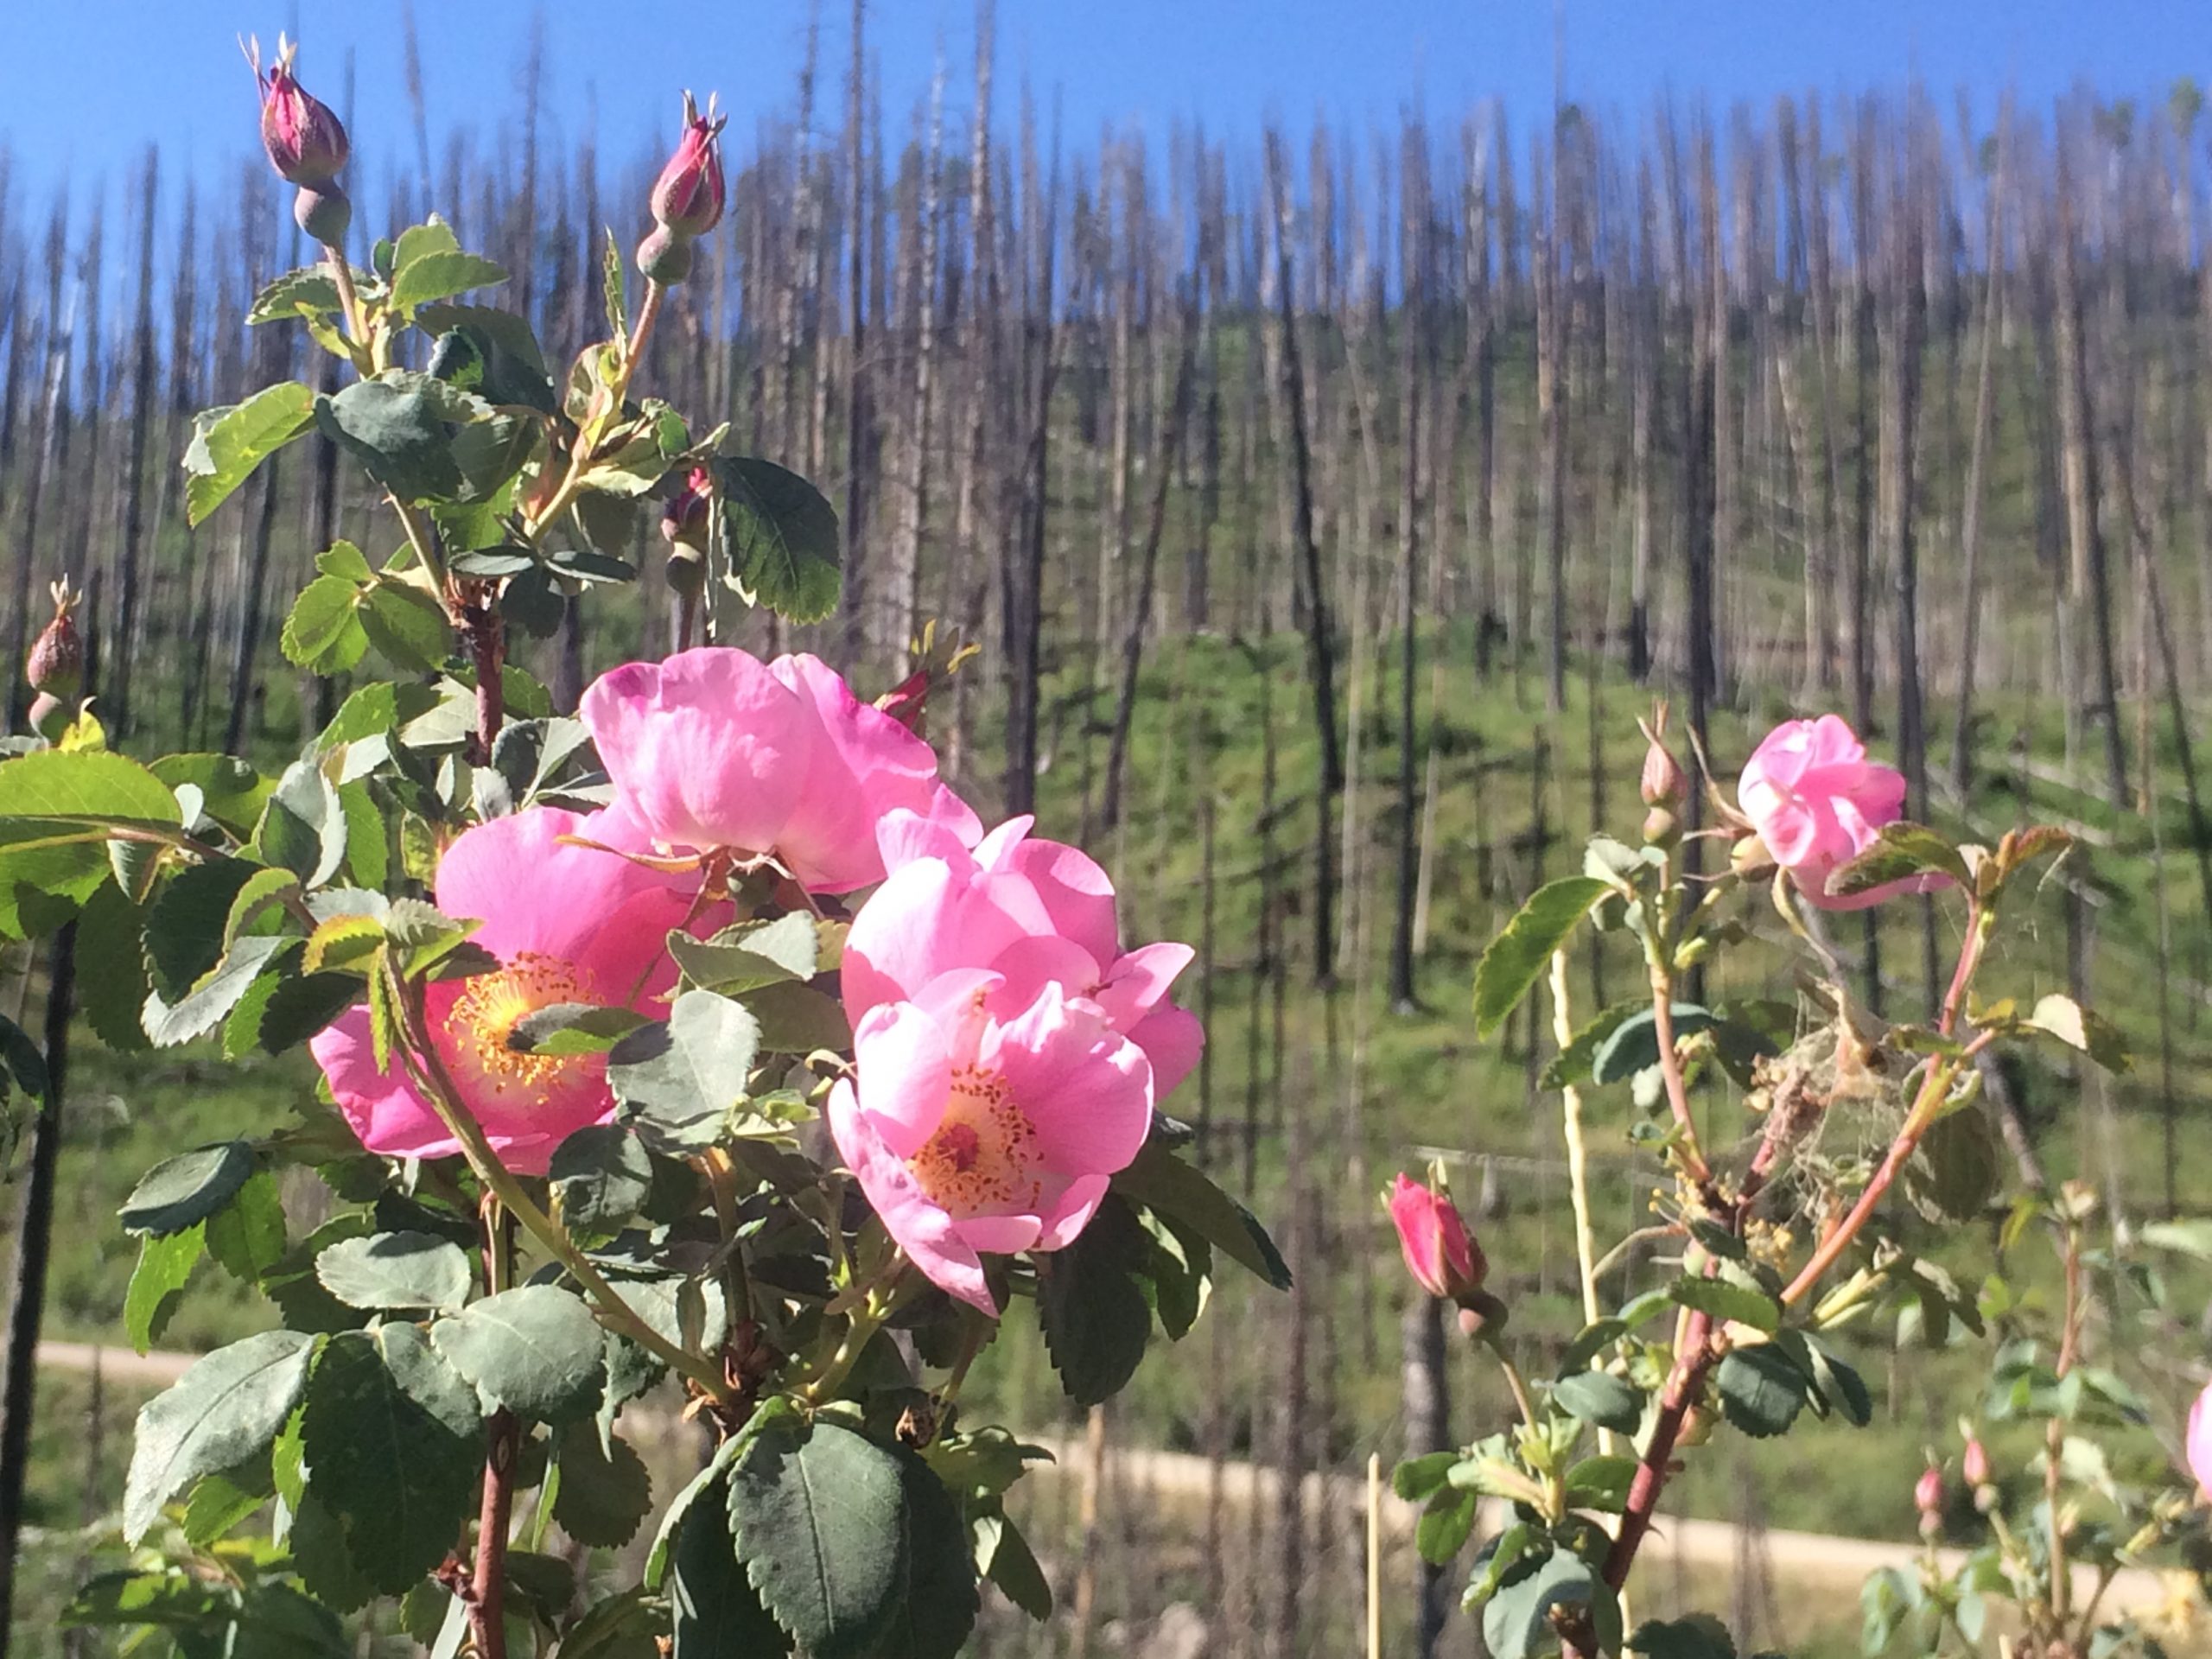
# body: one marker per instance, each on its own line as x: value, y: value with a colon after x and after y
x: 165, y: 1265
x: 535, y: 1350
x: 246, y: 1235
x: 322, y: 630
x: 746, y: 958
x: 602, y: 1176
x: 1003, y: 1556
x: 1731, y: 1297
x: 2082, y: 1028
x: 1761, y: 1389
x: 311, y: 289
x: 1601, y: 1483
x: 1900, y: 851
x: 439, y: 276
x: 48, y: 799
x: 782, y: 536
x: 1517, y: 957
x: 185, y: 924
x: 798, y: 1018
x: 1634, y: 1043
x: 680, y: 1079
x: 714, y: 1610
x: 1693, y: 1636
x: 212, y: 1000
x: 1517, y: 1618
x: 1167, y: 1185
x: 229, y: 443
x: 818, y: 1516
x: 227, y: 1408
x: 396, y: 426
x: 1445, y: 1524
x: 391, y: 1434
x: 573, y: 1028
x: 397, y: 1270
x: 1600, y: 1397
x: 606, y: 1491
x: 181, y: 1191
x: 1096, y: 1317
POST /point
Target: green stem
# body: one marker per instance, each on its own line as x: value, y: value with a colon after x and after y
x: 430, y: 1076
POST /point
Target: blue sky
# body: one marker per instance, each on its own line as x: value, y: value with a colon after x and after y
x: 85, y: 84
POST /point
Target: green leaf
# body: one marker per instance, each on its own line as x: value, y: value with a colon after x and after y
x: 573, y: 1028
x: 1518, y: 955
x: 211, y: 1000
x: 218, y: 1502
x: 391, y: 1448
x: 2192, y: 1238
x: 935, y: 1602
x: 439, y: 276
x: 2074, y: 1025
x: 52, y: 803
x: 185, y: 924
x: 1166, y: 1184
x: 1571, y: 1065
x: 1418, y: 1479
x: 111, y: 983
x: 1900, y: 851
x: 1601, y: 1483
x: 714, y: 1613
x: 602, y: 1176
x: 679, y: 1080
x: 1600, y: 1397
x: 1003, y: 1556
x: 397, y: 1270
x: 1954, y: 1171
x: 1634, y: 1043
x: 606, y: 1491
x: 1693, y: 1636
x: 620, y: 1627
x: 303, y: 826
x: 228, y: 443
x: 1843, y: 1388
x: 408, y: 628
x: 165, y: 1264
x: 502, y: 362
x: 1761, y: 1389
x: 535, y: 1350
x: 397, y: 427
x: 782, y: 536
x: 819, y: 1515
x: 709, y: 1487
x: 230, y: 792
x: 181, y: 1191
x: 310, y: 289
x: 1730, y: 1295
x: 749, y: 956
x: 1516, y: 1620
x: 1096, y: 1317
x: 1445, y: 1525
x: 226, y: 1408
x: 246, y: 1235
x: 323, y: 631
x: 798, y: 1018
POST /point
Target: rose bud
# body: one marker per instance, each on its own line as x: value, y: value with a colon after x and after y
x: 1442, y: 1259
x: 1974, y: 1465
x: 56, y: 663
x: 688, y: 195
x: 306, y: 143
x: 1927, y: 1498
x: 683, y: 520
x: 1662, y: 783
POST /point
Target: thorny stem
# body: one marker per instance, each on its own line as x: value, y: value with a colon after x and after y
x: 2070, y: 1329
x: 488, y: 1588
x: 1978, y: 923
x: 1694, y: 1357
x: 436, y: 1083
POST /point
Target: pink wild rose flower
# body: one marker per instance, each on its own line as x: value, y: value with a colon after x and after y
x: 568, y: 923
x: 2196, y: 1444
x: 1443, y: 1260
x: 982, y: 1122
x: 713, y: 749
x: 1035, y: 912
x: 1817, y: 802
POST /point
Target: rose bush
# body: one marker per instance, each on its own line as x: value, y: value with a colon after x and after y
x: 578, y: 993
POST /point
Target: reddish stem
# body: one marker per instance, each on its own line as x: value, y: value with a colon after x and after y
x: 488, y: 650
x: 487, y: 1612
x: 1693, y: 1357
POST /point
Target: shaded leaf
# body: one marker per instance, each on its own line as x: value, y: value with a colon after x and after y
x: 1517, y: 957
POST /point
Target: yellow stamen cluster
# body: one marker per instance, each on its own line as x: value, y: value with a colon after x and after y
x: 486, y: 1014
x: 983, y: 1158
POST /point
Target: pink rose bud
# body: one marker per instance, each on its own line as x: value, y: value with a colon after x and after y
x: 1817, y: 802
x: 688, y: 196
x: 2196, y: 1446
x: 1662, y: 783
x: 1927, y: 1498
x: 1974, y: 1465
x: 56, y: 663
x: 683, y: 520
x: 1442, y: 1259
x: 305, y: 142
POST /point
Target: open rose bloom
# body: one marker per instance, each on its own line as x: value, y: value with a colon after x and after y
x: 1818, y: 802
x: 980, y: 1122
x: 713, y: 750
x: 568, y: 923
x: 1008, y: 1052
